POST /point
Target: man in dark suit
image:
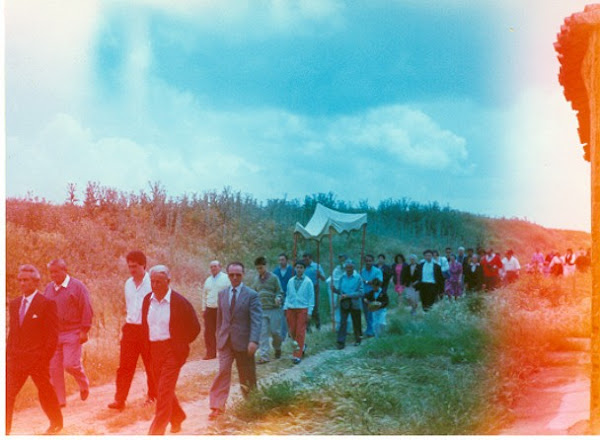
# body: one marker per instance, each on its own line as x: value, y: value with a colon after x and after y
x: 238, y: 334
x: 430, y: 280
x: 32, y: 340
x: 169, y: 325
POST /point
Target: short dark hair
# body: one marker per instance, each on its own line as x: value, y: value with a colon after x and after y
x: 427, y: 251
x: 306, y: 255
x: 283, y: 255
x: 449, y: 249
x: 301, y: 263
x: 399, y: 257
x: 260, y: 261
x: 376, y: 282
x: 137, y: 257
x: 381, y: 255
x: 236, y: 263
x: 369, y: 256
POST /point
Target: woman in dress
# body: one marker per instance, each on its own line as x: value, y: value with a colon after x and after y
x: 453, y: 284
x: 399, y: 264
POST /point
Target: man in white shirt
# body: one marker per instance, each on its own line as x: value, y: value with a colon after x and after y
x: 132, y: 341
x: 216, y: 282
x: 511, y: 267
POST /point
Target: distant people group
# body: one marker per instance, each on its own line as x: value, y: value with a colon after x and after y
x: 244, y: 320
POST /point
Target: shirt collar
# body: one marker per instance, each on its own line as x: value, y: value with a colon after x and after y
x: 29, y: 298
x: 167, y: 297
x: 238, y: 289
x: 64, y: 284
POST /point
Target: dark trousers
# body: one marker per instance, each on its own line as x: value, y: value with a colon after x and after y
x: 166, y: 368
x: 210, y: 331
x: 428, y: 293
x: 356, y: 325
x: 132, y: 347
x: 16, y: 375
x: 219, y: 391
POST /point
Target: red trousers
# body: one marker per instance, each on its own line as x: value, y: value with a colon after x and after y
x: 297, y: 320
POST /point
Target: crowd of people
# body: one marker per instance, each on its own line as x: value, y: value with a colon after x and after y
x: 246, y: 319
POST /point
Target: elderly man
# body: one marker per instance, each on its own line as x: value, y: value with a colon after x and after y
x: 74, y: 321
x: 132, y: 340
x: 350, y: 290
x: 32, y: 339
x: 170, y: 325
x: 238, y: 334
x: 368, y: 274
x: 430, y: 281
x: 216, y: 282
x: 270, y: 294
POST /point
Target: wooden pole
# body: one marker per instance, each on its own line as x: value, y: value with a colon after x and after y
x: 591, y: 76
x: 362, y: 250
x: 318, y: 290
x: 331, y: 284
x: 295, y: 249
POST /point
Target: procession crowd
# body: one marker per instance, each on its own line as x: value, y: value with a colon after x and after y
x: 246, y: 319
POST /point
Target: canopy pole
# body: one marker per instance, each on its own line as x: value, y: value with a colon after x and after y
x: 362, y: 251
x: 331, y: 284
x: 295, y: 248
x: 318, y: 290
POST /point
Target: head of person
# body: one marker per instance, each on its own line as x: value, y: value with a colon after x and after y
x: 58, y: 270
x: 160, y: 279
x: 399, y: 259
x: 349, y: 267
x: 509, y: 253
x: 261, y: 265
x: 569, y: 251
x: 28, y: 278
x: 235, y: 272
x: 428, y: 255
x: 282, y: 259
x: 307, y: 258
x: 490, y: 251
x: 215, y: 267
x: 136, y: 263
x: 461, y: 250
x: 342, y: 258
x: 448, y: 252
x: 376, y: 284
x: 412, y: 259
x: 300, y: 267
x: 470, y: 251
x: 474, y: 259
x: 435, y: 254
x: 369, y: 259
x: 381, y: 259
x: 452, y: 258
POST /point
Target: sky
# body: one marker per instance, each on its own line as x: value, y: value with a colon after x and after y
x: 454, y: 101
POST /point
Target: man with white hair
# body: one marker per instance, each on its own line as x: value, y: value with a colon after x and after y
x: 216, y: 282
x: 169, y: 324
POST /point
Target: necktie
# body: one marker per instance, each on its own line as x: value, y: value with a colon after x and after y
x: 22, y: 310
x: 232, y: 305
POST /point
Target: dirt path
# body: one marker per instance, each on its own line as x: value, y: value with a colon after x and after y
x: 92, y: 417
x: 556, y: 402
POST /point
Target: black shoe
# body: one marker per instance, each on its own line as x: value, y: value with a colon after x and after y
x: 296, y: 361
x: 304, y: 350
x: 277, y: 354
x: 84, y: 394
x: 340, y: 346
x: 53, y: 429
x: 117, y: 405
x: 356, y: 344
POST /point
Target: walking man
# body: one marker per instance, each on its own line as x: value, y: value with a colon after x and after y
x: 350, y: 289
x: 270, y: 295
x: 368, y: 274
x: 216, y: 282
x: 238, y: 333
x: 430, y: 282
x: 170, y: 325
x: 132, y: 339
x: 284, y: 272
x: 32, y: 340
x: 74, y: 322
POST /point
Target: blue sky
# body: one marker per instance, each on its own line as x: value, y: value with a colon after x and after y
x: 450, y: 101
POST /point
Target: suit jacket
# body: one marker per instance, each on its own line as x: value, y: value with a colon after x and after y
x: 244, y: 326
x: 406, y: 278
x: 183, y: 325
x: 437, y: 275
x: 33, y: 343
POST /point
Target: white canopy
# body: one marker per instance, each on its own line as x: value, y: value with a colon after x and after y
x: 324, y: 218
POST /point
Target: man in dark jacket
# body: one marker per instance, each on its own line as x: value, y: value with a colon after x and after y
x: 32, y: 340
x: 169, y: 325
x: 430, y: 280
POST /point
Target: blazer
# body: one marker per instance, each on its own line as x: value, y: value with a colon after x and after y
x: 437, y: 275
x: 244, y: 326
x: 406, y: 279
x: 34, y: 342
x: 183, y: 324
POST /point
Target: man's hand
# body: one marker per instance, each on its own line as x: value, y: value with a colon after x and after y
x: 252, y: 347
x: 83, y: 337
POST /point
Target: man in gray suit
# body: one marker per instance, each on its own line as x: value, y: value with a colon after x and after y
x: 238, y: 333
